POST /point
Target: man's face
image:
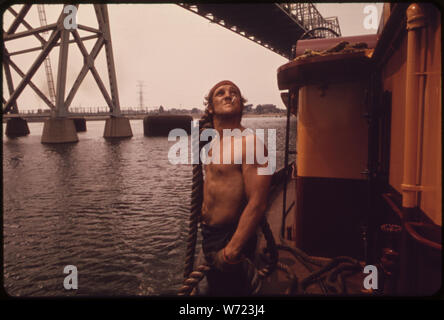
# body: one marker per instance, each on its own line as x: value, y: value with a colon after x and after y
x: 227, y: 100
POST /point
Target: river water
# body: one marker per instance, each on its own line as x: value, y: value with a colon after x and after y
x: 116, y: 210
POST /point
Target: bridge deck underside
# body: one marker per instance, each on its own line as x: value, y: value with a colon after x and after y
x: 266, y: 22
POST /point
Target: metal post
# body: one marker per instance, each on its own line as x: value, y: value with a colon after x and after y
x: 94, y: 52
x: 61, y: 109
x: 8, y: 62
x: 102, y: 17
x: 28, y: 26
x: 287, y: 138
x: 33, y: 69
x: 10, y: 84
x: 19, y: 18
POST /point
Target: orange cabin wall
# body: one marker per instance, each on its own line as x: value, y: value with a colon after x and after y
x: 431, y: 169
x: 394, y: 75
x: 394, y: 80
x: 332, y: 133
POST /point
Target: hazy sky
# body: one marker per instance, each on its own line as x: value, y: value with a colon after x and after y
x: 177, y: 54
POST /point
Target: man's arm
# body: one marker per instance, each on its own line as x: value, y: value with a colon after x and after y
x: 256, y: 190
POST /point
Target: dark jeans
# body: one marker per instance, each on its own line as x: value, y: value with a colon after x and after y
x: 239, y: 280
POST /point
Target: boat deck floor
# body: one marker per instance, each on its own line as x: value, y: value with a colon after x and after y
x: 278, y: 282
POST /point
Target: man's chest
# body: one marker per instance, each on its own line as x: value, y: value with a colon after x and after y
x: 214, y: 171
x: 227, y: 152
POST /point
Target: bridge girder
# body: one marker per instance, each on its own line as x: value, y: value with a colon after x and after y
x: 60, y: 37
x: 274, y: 26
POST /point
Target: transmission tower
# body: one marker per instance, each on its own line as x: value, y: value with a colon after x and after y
x: 48, y: 69
x: 140, y: 86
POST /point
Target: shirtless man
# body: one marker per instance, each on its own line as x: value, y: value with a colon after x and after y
x: 235, y: 199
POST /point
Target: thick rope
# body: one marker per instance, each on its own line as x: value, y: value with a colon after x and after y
x: 196, y: 196
x: 196, y: 205
x: 330, y: 276
x: 271, y: 251
x: 293, y: 287
x: 331, y: 270
x: 193, y: 280
x: 306, y: 261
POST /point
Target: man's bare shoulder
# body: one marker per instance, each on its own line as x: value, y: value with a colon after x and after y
x: 249, y: 136
x: 252, y: 148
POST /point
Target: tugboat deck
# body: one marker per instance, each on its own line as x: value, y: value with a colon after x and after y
x: 278, y: 282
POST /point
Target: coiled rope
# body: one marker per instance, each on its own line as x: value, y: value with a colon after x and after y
x: 331, y: 272
x: 336, y: 269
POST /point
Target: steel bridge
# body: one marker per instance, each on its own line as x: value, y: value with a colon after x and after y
x: 276, y: 27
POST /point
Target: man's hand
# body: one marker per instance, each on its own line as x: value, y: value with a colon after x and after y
x: 220, y: 262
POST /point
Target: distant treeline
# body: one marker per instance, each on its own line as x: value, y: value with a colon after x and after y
x: 249, y: 109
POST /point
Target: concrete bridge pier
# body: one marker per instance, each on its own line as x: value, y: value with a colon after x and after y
x: 16, y: 127
x: 80, y: 124
x: 117, y: 127
x: 59, y: 130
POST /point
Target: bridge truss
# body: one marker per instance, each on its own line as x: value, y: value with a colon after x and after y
x: 59, y: 37
x: 308, y: 16
x: 275, y: 26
